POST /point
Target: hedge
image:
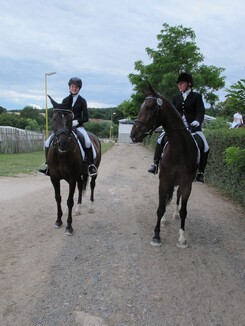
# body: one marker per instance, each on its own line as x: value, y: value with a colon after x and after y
x: 228, y: 179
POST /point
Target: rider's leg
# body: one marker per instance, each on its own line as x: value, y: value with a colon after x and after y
x: 203, y: 159
x: 44, y: 168
x: 202, y: 166
x: 92, y: 170
x: 157, y: 154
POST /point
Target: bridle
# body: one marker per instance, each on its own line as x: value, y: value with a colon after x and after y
x: 156, y: 110
x: 63, y: 131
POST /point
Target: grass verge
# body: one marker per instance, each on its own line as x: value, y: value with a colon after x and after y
x: 27, y: 163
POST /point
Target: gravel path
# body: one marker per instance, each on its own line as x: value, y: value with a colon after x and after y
x: 107, y: 273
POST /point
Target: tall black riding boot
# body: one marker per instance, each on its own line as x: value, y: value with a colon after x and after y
x: 201, y: 167
x: 157, y: 156
x: 92, y: 170
x: 44, y: 168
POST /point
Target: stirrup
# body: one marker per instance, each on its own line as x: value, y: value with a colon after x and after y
x: 44, y: 169
x: 92, y: 170
x: 153, y: 168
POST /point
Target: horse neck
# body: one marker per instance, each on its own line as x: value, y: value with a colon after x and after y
x: 172, y: 123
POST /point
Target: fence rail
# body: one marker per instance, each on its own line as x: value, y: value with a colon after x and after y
x: 14, y: 140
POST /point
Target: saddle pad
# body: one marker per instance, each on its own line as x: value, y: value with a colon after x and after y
x: 81, y: 148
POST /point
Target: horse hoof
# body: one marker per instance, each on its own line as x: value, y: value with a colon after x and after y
x: 57, y: 225
x: 69, y: 232
x: 182, y: 244
x: 156, y: 242
x: 91, y: 210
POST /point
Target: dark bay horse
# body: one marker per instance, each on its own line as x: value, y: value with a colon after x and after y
x: 65, y: 161
x: 179, y: 161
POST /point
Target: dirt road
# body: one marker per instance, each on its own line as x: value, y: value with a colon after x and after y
x: 107, y: 273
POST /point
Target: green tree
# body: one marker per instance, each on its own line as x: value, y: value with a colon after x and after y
x: 2, y: 110
x: 32, y: 113
x: 127, y: 110
x: 236, y: 97
x: 176, y: 52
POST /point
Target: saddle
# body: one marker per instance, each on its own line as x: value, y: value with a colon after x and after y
x: 199, y: 141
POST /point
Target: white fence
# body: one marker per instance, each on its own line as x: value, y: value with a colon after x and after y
x: 14, y: 140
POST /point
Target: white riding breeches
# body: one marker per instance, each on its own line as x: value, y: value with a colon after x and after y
x: 87, y: 141
x: 159, y: 139
x: 86, y: 137
x: 206, y: 147
x: 200, y: 133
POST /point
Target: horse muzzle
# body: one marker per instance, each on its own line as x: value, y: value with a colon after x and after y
x: 137, y: 137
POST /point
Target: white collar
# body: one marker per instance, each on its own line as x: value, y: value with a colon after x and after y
x: 74, y: 98
x: 186, y: 93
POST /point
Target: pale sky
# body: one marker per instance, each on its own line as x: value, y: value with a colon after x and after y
x: 99, y: 41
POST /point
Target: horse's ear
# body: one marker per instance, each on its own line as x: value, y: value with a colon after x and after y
x: 152, y: 90
x: 149, y: 91
x: 146, y: 92
x: 55, y: 104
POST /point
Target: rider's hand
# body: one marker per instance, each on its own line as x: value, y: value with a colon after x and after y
x: 75, y: 123
x: 195, y: 124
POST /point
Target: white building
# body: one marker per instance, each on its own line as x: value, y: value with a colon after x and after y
x: 124, y: 130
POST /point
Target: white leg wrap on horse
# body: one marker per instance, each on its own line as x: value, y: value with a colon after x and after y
x: 182, y: 243
x: 181, y: 235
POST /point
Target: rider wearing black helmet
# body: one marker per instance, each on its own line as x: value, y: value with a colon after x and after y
x: 80, y: 111
x: 191, y: 108
x: 79, y: 108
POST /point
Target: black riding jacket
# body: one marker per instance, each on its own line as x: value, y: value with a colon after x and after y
x: 79, y: 109
x: 193, y: 107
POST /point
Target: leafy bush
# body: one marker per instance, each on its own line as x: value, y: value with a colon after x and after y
x: 219, y: 123
x: 225, y: 173
x: 235, y: 156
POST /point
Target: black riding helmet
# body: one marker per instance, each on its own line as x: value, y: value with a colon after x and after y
x: 76, y: 81
x: 185, y: 77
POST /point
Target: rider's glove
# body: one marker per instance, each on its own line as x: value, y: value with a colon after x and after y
x: 75, y: 123
x: 195, y: 124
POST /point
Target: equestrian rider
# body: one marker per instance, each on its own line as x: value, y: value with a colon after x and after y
x: 80, y: 111
x: 191, y: 108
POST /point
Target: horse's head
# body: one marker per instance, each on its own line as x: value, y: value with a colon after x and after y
x: 148, y: 117
x: 62, y: 124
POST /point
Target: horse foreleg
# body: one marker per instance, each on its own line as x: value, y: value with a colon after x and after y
x: 56, y: 185
x: 92, y: 186
x: 182, y: 242
x: 156, y: 240
x: 70, y: 203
